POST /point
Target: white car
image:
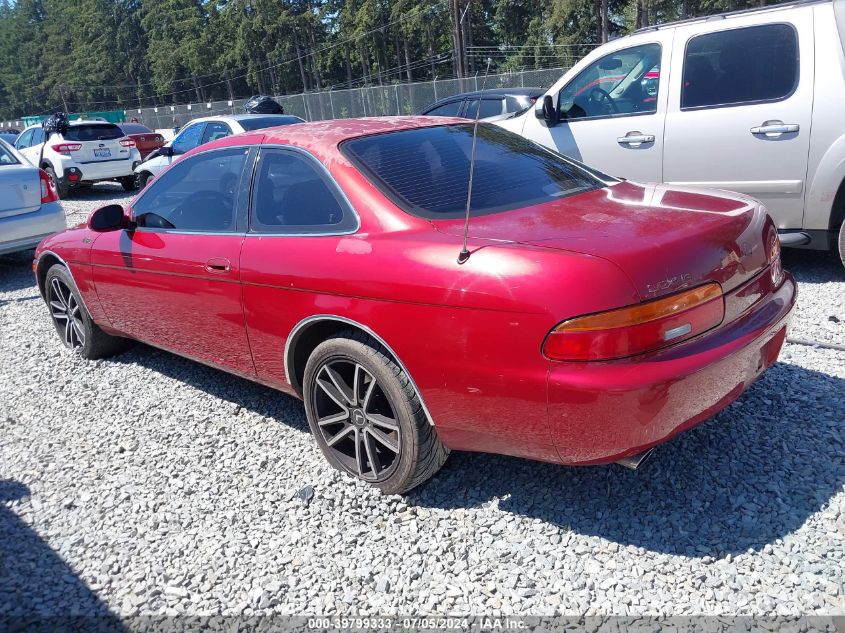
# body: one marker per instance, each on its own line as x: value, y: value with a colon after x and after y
x: 89, y: 152
x: 749, y: 101
x: 29, y: 205
x: 205, y: 130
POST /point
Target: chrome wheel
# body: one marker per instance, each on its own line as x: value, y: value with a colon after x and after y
x: 356, y: 419
x: 67, y: 314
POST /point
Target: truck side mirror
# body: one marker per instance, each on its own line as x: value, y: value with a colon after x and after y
x: 546, y: 110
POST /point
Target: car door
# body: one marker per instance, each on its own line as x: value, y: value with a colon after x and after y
x: 611, y: 113
x: 740, y: 118
x: 297, y: 221
x: 29, y: 144
x: 174, y: 280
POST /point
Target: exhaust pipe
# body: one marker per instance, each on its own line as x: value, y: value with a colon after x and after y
x: 633, y: 461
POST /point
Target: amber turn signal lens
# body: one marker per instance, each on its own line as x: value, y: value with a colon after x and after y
x: 639, y: 328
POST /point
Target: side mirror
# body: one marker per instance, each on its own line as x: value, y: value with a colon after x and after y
x: 545, y: 109
x: 166, y: 150
x: 107, y: 218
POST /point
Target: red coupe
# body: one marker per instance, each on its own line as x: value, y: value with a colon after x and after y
x: 145, y: 139
x: 591, y: 319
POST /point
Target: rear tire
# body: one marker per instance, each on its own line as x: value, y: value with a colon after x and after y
x: 373, y: 426
x: 60, y: 184
x: 75, y: 327
x: 128, y: 183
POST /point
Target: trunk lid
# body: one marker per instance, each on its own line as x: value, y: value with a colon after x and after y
x: 664, y: 238
x: 20, y: 190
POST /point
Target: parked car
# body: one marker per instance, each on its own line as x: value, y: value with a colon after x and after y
x: 495, y: 103
x: 29, y: 204
x: 90, y: 151
x: 10, y: 138
x: 205, y: 130
x: 334, y: 271
x: 746, y: 102
x: 145, y: 139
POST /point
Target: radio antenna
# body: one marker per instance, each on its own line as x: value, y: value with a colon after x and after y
x: 463, y: 256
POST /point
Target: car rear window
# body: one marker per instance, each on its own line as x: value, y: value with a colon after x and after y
x: 260, y: 122
x: 6, y: 157
x: 426, y: 171
x: 99, y: 132
x: 135, y: 128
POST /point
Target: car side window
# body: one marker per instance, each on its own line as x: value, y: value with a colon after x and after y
x: 37, y: 136
x: 489, y: 107
x: 746, y: 65
x: 188, y: 139
x: 196, y: 194
x: 215, y: 130
x: 293, y: 194
x: 622, y: 83
x: 447, y: 109
x: 25, y: 139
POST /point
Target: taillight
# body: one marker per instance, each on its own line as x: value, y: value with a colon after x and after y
x: 127, y: 142
x: 48, y: 190
x: 159, y: 139
x: 67, y: 148
x: 637, y: 329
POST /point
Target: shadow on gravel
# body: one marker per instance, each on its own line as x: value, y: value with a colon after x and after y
x: 753, y: 474
x: 33, y: 578
x: 16, y: 271
x: 813, y: 267
x: 111, y: 192
x: 243, y: 393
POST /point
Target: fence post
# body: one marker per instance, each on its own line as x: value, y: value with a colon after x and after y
x: 331, y: 102
x: 435, y: 87
x: 363, y: 102
x: 398, y: 107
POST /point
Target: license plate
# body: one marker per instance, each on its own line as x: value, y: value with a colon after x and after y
x: 102, y: 153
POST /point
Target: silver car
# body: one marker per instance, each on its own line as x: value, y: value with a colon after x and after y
x: 749, y: 101
x: 29, y: 206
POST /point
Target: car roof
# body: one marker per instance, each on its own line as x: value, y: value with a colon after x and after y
x: 493, y: 92
x: 321, y: 137
x: 729, y: 14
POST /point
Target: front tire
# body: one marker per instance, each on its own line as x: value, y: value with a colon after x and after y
x: 128, y: 183
x: 143, y: 179
x: 842, y: 243
x: 60, y: 184
x: 367, y: 417
x: 75, y: 327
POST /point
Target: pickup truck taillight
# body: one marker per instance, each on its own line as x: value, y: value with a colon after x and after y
x: 48, y: 190
x: 67, y: 148
x: 637, y: 329
x: 127, y: 142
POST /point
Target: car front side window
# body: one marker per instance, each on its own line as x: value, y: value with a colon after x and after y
x: 195, y: 195
x: 622, y: 83
x: 215, y: 130
x: 188, y: 139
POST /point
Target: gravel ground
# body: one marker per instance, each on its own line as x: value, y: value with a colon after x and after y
x: 150, y: 484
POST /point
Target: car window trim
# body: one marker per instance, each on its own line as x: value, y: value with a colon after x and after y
x: 733, y: 104
x: 326, y: 176
x: 621, y: 114
x: 239, y: 229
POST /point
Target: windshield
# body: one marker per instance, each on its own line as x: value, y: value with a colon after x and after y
x: 260, y: 122
x: 426, y: 171
x: 99, y: 132
x: 6, y: 156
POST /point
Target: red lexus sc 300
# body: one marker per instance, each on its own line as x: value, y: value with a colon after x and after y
x: 593, y: 319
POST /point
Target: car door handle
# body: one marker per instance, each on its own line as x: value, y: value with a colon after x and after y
x: 218, y: 265
x: 775, y: 128
x: 635, y: 139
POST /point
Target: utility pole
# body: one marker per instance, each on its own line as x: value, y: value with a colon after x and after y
x: 62, y: 93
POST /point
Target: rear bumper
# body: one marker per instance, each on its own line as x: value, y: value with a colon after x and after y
x: 601, y: 412
x: 25, y: 231
x: 106, y: 170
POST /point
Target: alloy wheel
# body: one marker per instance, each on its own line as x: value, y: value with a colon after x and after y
x: 67, y: 314
x: 356, y: 419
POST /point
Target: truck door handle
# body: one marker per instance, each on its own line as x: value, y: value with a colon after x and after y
x: 775, y: 128
x: 218, y: 265
x: 635, y: 139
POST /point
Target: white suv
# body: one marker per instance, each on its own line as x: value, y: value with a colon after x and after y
x: 90, y: 151
x: 748, y: 101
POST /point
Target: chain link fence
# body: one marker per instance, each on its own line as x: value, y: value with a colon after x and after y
x: 383, y: 100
